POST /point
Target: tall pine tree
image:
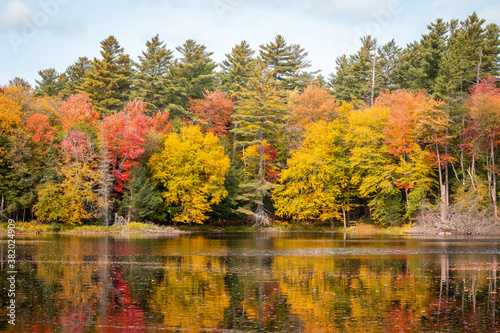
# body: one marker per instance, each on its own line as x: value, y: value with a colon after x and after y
x: 151, y: 81
x: 191, y: 75
x: 109, y: 79
x: 259, y: 116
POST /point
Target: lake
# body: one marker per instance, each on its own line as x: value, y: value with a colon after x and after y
x: 253, y: 282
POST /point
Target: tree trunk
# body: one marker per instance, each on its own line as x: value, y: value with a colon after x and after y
x: 494, y: 187
x: 343, y: 213
x: 442, y: 187
x: 234, y: 143
x: 374, y: 64
x: 478, y: 75
x: 259, y: 211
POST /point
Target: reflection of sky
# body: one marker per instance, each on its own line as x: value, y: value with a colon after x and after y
x: 39, y: 34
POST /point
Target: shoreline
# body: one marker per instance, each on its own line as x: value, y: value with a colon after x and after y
x: 135, y: 228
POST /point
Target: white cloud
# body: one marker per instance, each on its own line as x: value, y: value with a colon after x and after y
x: 14, y: 14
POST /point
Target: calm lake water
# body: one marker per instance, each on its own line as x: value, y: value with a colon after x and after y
x: 254, y: 282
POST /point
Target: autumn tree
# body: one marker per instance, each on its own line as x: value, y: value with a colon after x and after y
x: 484, y: 110
x: 191, y: 168
x: 310, y: 186
x: 213, y: 113
x: 312, y: 105
x: 77, y: 110
x: 74, y: 200
x: 125, y: 136
x: 411, y: 116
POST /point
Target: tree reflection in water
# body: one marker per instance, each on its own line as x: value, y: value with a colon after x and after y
x: 254, y: 282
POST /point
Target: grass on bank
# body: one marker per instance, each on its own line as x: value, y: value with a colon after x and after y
x: 139, y: 227
x: 36, y: 227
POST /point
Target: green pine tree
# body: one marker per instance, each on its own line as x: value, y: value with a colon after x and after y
x: 151, y: 81
x: 50, y: 84
x: 76, y: 75
x: 287, y: 63
x: 19, y: 82
x: 259, y: 116
x: 109, y: 80
x: 237, y: 69
x: 191, y: 75
x: 141, y: 200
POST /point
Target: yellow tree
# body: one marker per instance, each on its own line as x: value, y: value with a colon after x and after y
x: 311, y: 185
x: 313, y: 105
x: 74, y: 199
x: 192, y: 167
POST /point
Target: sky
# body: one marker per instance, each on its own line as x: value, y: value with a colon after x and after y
x: 42, y: 34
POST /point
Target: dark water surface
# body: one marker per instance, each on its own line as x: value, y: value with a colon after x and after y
x: 253, y: 282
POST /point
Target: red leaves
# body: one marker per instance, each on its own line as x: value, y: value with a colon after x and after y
x: 413, y: 116
x: 76, y: 147
x: 402, y: 105
x: 39, y: 127
x: 213, y: 113
x: 125, y: 136
x: 484, y: 104
x: 77, y: 109
x: 161, y: 123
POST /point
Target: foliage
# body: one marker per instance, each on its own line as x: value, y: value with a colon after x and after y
x: 192, y: 168
x: 125, y: 136
x: 213, y: 112
x: 109, y: 80
x: 311, y: 185
x: 77, y: 109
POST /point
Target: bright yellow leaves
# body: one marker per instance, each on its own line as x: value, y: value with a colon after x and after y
x: 10, y: 110
x: 311, y: 185
x: 74, y: 199
x: 69, y: 201
x: 192, y: 167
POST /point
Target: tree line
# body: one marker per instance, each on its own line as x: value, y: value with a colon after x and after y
x: 394, y: 134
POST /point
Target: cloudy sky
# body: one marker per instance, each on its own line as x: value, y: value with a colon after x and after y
x: 40, y: 34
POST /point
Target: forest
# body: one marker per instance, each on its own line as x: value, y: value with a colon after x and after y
x: 394, y: 135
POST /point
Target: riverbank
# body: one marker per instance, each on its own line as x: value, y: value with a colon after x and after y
x: 148, y: 228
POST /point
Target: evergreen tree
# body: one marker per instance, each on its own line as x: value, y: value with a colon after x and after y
x: 76, y: 75
x: 287, y: 63
x: 259, y: 117
x: 340, y: 81
x: 151, y: 81
x: 50, y: 84
x: 237, y: 69
x: 472, y: 53
x: 141, y: 199
x: 389, y: 58
x: 421, y: 61
x: 357, y: 76
x: 191, y: 75
x: 19, y: 82
x: 108, y: 81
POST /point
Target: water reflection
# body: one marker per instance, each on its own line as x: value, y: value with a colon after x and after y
x: 251, y: 282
